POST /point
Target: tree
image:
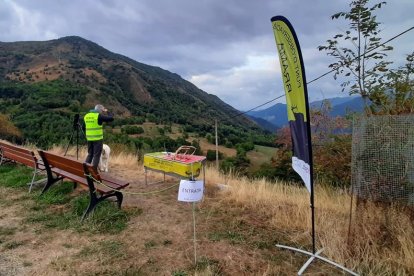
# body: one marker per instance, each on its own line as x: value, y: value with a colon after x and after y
x: 356, y: 48
x: 397, y: 97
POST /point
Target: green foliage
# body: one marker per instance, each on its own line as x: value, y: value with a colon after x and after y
x: 269, y: 172
x: 282, y: 166
x: 210, y: 138
x: 196, y: 144
x: 43, y: 111
x: 332, y: 161
x: 211, y: 155
x: 132, y: 130
x: 361, y: 36
x: 239, y: 164
x: 32, y: 108
x: 395, y: 95
x: 161, y: 131
x: 228, y: 144
x: 128, y: 121
x: 243, y: 148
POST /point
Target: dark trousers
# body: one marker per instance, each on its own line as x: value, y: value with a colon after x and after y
x: 94, y: 152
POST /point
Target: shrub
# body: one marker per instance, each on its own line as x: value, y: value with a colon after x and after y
x: 132, y: 130
x: 211, y: 155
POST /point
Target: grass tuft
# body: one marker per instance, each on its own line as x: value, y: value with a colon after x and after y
x: 57, y: 195
x: 13, y: 244
x: 109, y: 251
x: 207, y: 264
x: 7, y: 231
x: 15, y: 176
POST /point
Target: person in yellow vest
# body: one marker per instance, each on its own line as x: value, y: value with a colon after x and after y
x: 94, y: 132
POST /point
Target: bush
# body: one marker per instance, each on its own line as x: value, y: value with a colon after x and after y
x: 211, y: 155
x: 239, y: 164
x: 132, y: 130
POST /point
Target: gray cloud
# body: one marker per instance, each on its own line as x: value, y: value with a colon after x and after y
x: 216, y: 44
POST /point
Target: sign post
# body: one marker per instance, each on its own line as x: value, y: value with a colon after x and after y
x: 294, y: 82
x: 191, y: 191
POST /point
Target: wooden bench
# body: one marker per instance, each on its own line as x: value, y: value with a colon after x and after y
x: 84, y: 174
x: 12, y: 153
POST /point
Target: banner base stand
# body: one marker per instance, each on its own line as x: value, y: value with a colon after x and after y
x: 313, y: 256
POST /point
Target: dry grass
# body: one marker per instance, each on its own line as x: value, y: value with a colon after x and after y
x: 117, y: 158
x: 383, y: 240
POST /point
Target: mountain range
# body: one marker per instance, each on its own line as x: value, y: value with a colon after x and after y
x: 44, y: 83
x: 276, y: 115
x: 126, y: 86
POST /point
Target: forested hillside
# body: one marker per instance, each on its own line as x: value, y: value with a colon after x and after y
x: 43, y: 84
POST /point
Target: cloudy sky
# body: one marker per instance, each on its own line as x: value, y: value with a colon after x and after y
x: 225, y: 47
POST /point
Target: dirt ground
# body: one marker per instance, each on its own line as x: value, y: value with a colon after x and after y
x: 230, y: 239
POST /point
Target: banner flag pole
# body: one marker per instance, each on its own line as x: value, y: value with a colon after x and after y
x: 294, y: 82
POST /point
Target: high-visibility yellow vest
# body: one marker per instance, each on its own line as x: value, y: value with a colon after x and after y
x: 94, y: 132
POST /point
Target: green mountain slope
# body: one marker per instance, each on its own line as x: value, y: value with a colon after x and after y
x: 42, y: 84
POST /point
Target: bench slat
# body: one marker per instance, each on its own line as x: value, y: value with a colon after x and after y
x: 20, y: 159
x: 18, y: 154
x: 107, y: 178
x: 63, y: 163
x: 15, y: 148
x: 73, y: 170
x: 70, y: 176
x: 27, y: 154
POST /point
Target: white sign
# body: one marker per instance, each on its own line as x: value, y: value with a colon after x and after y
x: 190, y: 191
x: 303, y: 169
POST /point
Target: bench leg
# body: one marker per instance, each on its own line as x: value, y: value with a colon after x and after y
x: 33, y: 178
x: 50, y: 182
x: 4, y: 161
x: 119, y: 198
x: 93, y: 201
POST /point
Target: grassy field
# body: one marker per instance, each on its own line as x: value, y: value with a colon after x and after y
x: 257, y: 157
x: 260, y: 155
x: 237, y: 228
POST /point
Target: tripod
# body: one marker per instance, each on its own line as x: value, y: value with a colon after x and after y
x: 77, y: 127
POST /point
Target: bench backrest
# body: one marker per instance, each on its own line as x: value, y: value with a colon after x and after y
x: 61, y: 162
x: 18, y: 154
x: 89, y: 169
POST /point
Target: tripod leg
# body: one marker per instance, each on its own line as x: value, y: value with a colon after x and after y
x: 79, y: 129
x: 70, y: 140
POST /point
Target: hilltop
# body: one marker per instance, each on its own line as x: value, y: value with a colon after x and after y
x: 57, y: 78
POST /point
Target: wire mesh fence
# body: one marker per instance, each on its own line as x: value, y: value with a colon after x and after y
x: 383, y: 158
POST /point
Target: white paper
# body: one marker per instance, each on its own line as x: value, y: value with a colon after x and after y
x: 303, y: 169
x: 190, y: 191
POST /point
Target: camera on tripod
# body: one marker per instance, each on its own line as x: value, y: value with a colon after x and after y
x: 76, y: 120
x: 76, y: 128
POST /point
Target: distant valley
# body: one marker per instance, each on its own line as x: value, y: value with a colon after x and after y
x: 276, y: 115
